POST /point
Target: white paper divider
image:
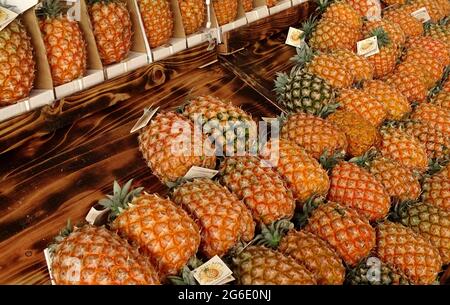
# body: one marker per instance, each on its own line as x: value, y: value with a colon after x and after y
x: 92, y: 78
x: 281, y: 6
x: 12, y: 111
x: 175, y: 45
x: 257, y: 13
x: 134, y: 61
x: 40, y: 97
x: 234, y: 25
x: 297, y: 2
x: 48, y: 260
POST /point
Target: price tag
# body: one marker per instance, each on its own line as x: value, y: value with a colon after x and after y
x: 295, y: 37
x: 368, y: 47
x: 144, y: 119
x: 97, y: 215
x: 6, y: 17
x: 421, y: 14
x: 213, y: 272
x: 19, y: 6
x: 200, y: 172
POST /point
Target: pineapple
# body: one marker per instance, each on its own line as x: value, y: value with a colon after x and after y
x: 193, y: 15
x: 433, y: 65
x: 436, y: 144
x: 395, y: 2
x: 365, y: 8
x: 315, y: 135
x: 248, y: 5
x: 410, y: 85
x: 361, y: 135
x: 328, y: 35
x: 111, y: 23
x: 442, y: 99
x: 383, y: 62
x: 393, y: 30
x: 169, y: 146
x: 436, y: 190
x: 348, y: 233
x: 403, y: 148
x: 222, y: 218
x: 158, y: 21
x: 258, y: 265
x: 410, y: 25
x: 225, y: 10
x: 396, y: 105
x: 17, y: 62
x: 95, y: 256
x: 302, y: 91
x: 430, y: 47
x: 430, y: 222
x: 359, y: 67
x: 161, y: 229
x: 341, y: 11
x: 232, y: 130
x: 64, y: 43
x: 438, y: 32
x: 315, y: 254
x: 434, y: 116
x: 409, y: 252
x: 417, y: 70
x: 303, y: 174
x: 271, y: 3
x: 259, y: 186
x: 361, y: 103
x: 373, y: 271
x: 399, y: 182
x: 358, y: 189
x: 433, y: 8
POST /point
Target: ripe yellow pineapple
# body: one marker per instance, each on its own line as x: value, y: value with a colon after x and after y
x: 383, y: 62
x: 438, y: 32
x: 396, y: 105
x: 410, y: 85
x: 111, y: 24
x: 358, y: 189
x: 436, y: 189
x: 431, y: 47
x: 347, y: 232
x: 158, y: 21
x: 95, y: 256
x: 403, y: 148
x: 18, y: 65
x: 366, y: 8
x: 328, y: 35
x: 248, y: 5
x: 316, y: 135
x: 303, y: 174
x: 161, y: 229
x: 422, y: 68
x: 434, y: 116
x: 271, y: 3
x: 361, y: 135
x: 393, y: 30
x: 193, y: 14
x: 64, y: 43
x: 406, y: 250
x: 410, y: 25
x: 222, y: 218
x: 442, y: 99
x: 359, y: 102
x: 427, y: 62
x: 169, y: 146
x: 359, y: 67
x: 259, y: 186
x: 433, y: 8
x: 225, y: 10
x: 341, y: 11
x: 258, y: 265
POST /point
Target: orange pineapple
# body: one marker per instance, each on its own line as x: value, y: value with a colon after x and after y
x: 403, y: 148
x: 384, y: 61
x: 314, y: 134
x: 95, y: 256
x: 161, y: 229
x: 222, y: 218
x: 427, y: 62
x: 396, y: 105
x: 410, y: 85
x: 358, y: 189
x: 163, y: 145
x: 406, y: 250
x: 365, y: 8
x: 434, y: 116
x: 347, y: 232
x: 436, y: 189
x: 393, y: 30
x: 410, y: 25
x: 18, y: 65
x: 438, y: 32
x: 442, y: 99
x: 361, y: 103
x: 329, y: 35
x: 304, y: 175
x: 259, y: 187
x: 359, y: 67
x: 341, y: 11
x: 433, y: 8
x: 158, y: 21
x: 193, y: 15
x: 271, y: 3
x: 64, y: 43
x: 111, y: 23
x: 431, y: 47
x: 248, y: 5
x: 422, y: 68
x: 225, y: 10
x: 361, y: 135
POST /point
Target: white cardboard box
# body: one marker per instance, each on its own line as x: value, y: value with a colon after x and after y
x: 92, y: 78
x: 283, y: 5
x: 134, y: 61
x: 257, y: 13
x: 37, y: 98
x: 297, y: 2
x: 175, y: 45
x: 234, y: 25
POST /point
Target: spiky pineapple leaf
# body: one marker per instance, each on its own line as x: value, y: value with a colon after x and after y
x: 271, y: 235
x: 121, y: 198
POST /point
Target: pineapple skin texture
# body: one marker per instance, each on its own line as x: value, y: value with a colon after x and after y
x: 157, y: 17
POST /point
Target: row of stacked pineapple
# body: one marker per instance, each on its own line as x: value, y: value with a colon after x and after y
x: 112, y: 27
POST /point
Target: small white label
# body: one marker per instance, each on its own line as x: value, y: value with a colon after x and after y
x: 48, y: 260
x: 200, y: 172
x: 373, y: 10
x: 19, y: 6
x: 6, y: 17
x: 213, y: 272
x: 421, y: 14
x: 368, y: 47
x: 97, y: 214
x: 295, y: 37
x: 144, y: 119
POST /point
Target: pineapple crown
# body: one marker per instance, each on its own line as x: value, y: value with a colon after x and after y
x: 304, y: 55
x: 271, y: 235
x: 322, y: 5
x: 365, y: 160
x: 308, y: 26
x: 382, y: 37
x: 328, y: 161
x: 440, y: 84
x: 301, y: 217
x: 50, y: 9
x: 63, y: 233
x: 399, y: 209
x: 120, y: 199
x: 185, y: 277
